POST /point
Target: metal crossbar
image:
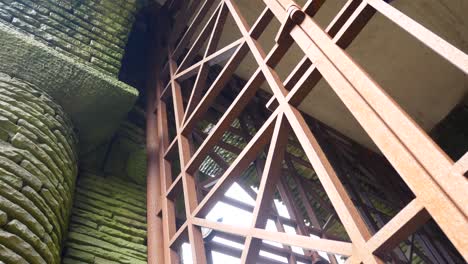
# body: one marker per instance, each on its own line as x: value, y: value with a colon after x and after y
x: 436, y: 181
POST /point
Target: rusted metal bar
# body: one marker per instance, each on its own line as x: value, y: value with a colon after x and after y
x: 191, y: 29
x: 200, y: 40
x: 233, y: 111
x: 267, y: 188
x: 356, y: 228
x: 240, y: 164
x: 168, y: 207
x: 154, y: 147
x: 428, y: 38
x: 336, y: 247
x: 264, y: 247
x: 405, y: 134
x: 259, y: 166
x: 153, y: 185
x: 216, y: 87
x: 204, y: 68
x: 305, y: 201
x: 399, y: 228
x: 434, y: 179
x: 180, y: 18
x: 212, y: 59
x: 188, y: 181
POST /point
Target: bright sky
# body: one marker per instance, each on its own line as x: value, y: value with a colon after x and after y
x: 234, y: 216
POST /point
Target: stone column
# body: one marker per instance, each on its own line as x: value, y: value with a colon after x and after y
x: 38, y: 167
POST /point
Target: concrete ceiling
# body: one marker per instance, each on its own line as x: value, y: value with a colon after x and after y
x: 424, y: 84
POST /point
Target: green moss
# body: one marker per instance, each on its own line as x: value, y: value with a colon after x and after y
x: 20, y: 247
x: 17, y: 170
x: 115, y: 210
x: 9, y: 256
x: 87, y: 95
x: 80, y: 255
x: 115, y: 186
x: 19, y: 229
x: 136, y: 166
x: 37, y: 173
x: 83, y: 221
x: 11, y: 179
x: 3, y: 218
x: 117, y: 241
x: 54, y: 215
x: 117, y: 233
x: 67, y: 260
x: 90, y: 208
x: 94, y: 198
x: 19, y: 213
x: 108, y: 221
x: 93, y: 32
x: 114, y: 190
x: 100, y: 220
x: 99, y: 243
x: 21, y: 200
x: 106, y: 254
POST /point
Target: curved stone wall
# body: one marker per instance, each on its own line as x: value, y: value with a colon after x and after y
x: 38, y: 167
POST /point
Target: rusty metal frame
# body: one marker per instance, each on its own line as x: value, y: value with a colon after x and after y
x: 437, y: 182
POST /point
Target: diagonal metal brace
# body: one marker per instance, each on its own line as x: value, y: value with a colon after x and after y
x: 294, y: 17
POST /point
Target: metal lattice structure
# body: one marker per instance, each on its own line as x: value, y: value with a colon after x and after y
x: 437, y: 182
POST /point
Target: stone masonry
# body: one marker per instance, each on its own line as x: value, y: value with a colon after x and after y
x: 61, y: 106
x: 94, y: 32
x: 38, y: 167
x: 108, y: 222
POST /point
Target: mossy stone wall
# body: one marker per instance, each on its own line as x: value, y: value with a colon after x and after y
x: 108, y: 222
x: 86, y: 95
x: 91, y: 31
x: 38, y: 167
x: 127, y: 153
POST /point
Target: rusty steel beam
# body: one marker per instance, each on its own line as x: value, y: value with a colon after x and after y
x: 185, y: 39
x: 381, y: 122
x: 336, y: 247
x: 200, y: 40
x: 153, y: 184
x: 267, y: 188
x: 155, y: 221
x: 259, y: 166
x: 434, y: 179
x: 204, y: 68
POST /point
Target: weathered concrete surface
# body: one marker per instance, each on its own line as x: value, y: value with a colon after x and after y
x: 38, y: 167
x: 452, y: 133
x: 96, y: 102
x: 108, y: 223
x: 424, y: 84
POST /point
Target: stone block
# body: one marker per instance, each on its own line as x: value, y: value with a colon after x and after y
x: 86, y: 95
